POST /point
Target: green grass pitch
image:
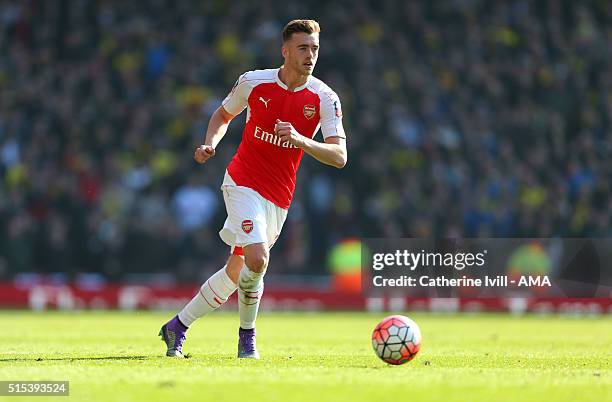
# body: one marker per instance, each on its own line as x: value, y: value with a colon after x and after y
x: 313, y: 357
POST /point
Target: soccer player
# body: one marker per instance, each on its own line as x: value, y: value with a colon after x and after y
x: 285, y: 108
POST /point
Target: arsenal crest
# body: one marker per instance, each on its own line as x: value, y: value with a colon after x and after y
x: 309, y: 111
x: 247, y: 226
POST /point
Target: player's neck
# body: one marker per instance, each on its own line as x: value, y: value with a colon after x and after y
x: 291, y: 78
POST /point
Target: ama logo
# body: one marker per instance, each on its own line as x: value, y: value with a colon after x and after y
x: 538, y: 281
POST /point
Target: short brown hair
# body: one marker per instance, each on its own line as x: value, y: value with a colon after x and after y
x: 306, y: 26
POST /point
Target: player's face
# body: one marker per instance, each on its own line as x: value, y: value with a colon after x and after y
x: 301, y: 52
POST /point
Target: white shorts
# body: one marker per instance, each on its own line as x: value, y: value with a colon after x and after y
x: 250, y: 217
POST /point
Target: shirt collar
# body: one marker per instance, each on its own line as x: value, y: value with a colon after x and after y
x: 285, y: 87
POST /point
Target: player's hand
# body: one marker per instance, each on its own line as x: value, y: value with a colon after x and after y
x: 287, y: 133
x: 203, y: 153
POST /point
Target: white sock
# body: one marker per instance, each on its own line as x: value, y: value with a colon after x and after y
x: 250, y: 289
x: 213, y: 293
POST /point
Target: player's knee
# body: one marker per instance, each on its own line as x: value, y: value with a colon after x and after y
x: 233, y: 267
x: 256, y: 259
x: 257, y: 263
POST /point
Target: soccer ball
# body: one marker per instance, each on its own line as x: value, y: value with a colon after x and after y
x: 396, y: 339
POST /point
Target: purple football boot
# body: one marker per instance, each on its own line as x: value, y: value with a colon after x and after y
x: 173, y: 333
x: 246, y: 344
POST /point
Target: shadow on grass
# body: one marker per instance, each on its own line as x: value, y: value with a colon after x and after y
x: 109, y: 358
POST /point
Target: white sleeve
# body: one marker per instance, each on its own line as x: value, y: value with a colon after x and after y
x: 331, y: 116
x: 237, y: 99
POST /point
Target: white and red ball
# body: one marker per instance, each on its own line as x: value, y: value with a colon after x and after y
x: 396, y: 339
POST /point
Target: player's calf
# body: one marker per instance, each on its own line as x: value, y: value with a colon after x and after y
x: 250, y: 290
x: 211, y: 295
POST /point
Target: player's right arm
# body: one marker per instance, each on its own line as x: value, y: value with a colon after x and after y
x: 217, y: 127
x: 231, y: 106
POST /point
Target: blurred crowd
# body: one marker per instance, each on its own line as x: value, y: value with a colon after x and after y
x: 464, y: 118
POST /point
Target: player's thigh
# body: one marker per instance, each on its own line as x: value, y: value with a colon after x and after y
x: 275, y: 218
x: 246, y: 221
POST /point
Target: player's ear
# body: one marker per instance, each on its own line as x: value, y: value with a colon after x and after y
x: 284, y: 52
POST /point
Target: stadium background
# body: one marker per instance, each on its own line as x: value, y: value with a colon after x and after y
x: 464, y: 118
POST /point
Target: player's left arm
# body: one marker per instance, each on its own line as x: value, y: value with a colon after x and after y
x: 332, y: 152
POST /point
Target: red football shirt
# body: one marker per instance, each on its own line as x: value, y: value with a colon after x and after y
x: 262, y: 162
